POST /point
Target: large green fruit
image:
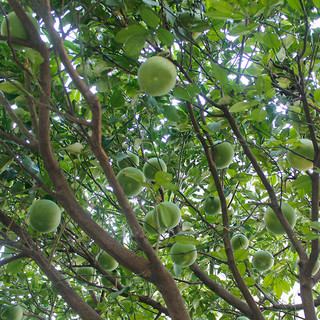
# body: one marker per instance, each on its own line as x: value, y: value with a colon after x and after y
x: 183, y: 254
x: 44, y: 215
x: 223, y: 154
x: 157, y: 76
x: 239, y: 241
x: 301, y: 156
x: 212, y: 205
x: 107, y: 262
x: 131, y: 180
x: 273, y: 223
x: 12, y: 313
x: 262, y: 260
x: 149, y: 224
x: 85, y: 272
x: 17, y: 30
x: 168, y: 213
x: 127, y: 159
x: 152, y: 166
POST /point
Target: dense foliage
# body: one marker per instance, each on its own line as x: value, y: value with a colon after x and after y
x: 71, y: 109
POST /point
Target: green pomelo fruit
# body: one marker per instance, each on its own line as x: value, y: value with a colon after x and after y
x: 12, y: 313
x: 44, y: 216
x: 239, y: 241
x: 107, y: 262
x: 157, y: 76
x: 131, y: 180
x: 262, y: 260
x: 168, y: 214
x: 16, y: 28
x: 152, y: 166
x: 301, y: 156
x: 183, y: 254
x: 224, y: 154
x: 149, y: 224
x: 127, y: 159
x: 85, y: 272
x: 212, y: 205
x: 273, y: 223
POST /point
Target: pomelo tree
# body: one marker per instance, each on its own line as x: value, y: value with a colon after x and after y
x: 239, y: 73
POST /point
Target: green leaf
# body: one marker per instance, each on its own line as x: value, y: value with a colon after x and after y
x: 150, y: 17
x: 239, y: 107
x: 316, y: 93
x: 15, y: 266
x: 295, y: 5
x: 243, y: 30
x: 181, y: 93
x: 9, y: 87
x: 315, y: 225
x: 131, y: 31
x: 259, y: 114
x: 186, y: 239
x: 134, y: 45
x: 241, y: 254
x: 5, y: 162
x: 249, y: 281
x: 171, y: 113
x: 165, y: 36
x: 163, y: 177
x: 303, y: 182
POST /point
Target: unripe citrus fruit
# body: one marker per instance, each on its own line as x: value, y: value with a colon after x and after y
x: 17, y: 30
x: 12, y: 313
x: 44, y: 215
x: 131, y: 180
x: 212, y: 205
x: 168, y: 215
x: 127, y: 159
x: 183, y: 254
x: 273, y: 223
x: 242, y: 318
x: 239, y: 241
x: 85, y: 272
x: 301, y: 156
x: 149, y: 223
x: 262, y: 260
x: 107, y: 262
x: 152, y: 166
x: 157, y: 76
x: 223, y: 154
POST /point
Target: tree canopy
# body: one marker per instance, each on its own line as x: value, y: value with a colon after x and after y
x: 154, y: 178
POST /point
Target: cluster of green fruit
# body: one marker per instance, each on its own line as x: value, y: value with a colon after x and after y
x: 131, y: 179
x: 12, y: 313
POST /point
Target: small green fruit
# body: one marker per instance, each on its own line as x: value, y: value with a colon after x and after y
x: 149, y: 224
x: 152, y: 166
x: 157, y: 76
x: 212, y: 205
x: 183, y: 254
x: 85, y: 272
x: 44, y: 216
x: 262, y: 260
x: 273, y: 223
x: 127, y: 159
x: 12, y: 313
x: 223, y: 154
x: 168, y: 214
x: 239, y: 241
x: 131, y: 180
x: 107, y: 262
x: 301, y: 156
x: 17, y: 30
